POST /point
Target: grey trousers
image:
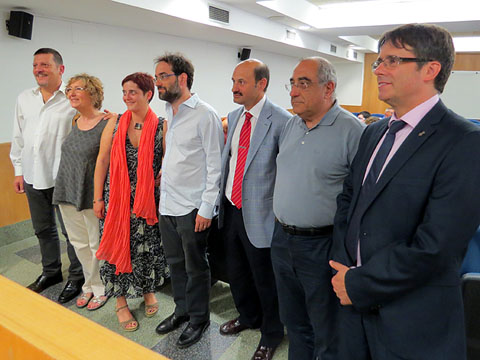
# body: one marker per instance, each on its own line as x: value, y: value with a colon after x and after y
x: 186, y: 255
x: 43, y: 212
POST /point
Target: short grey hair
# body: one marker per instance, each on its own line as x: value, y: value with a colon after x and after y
x: 326, y: 71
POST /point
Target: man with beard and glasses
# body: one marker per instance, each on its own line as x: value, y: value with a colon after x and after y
x: 43, y: 119
x: 189, y: 189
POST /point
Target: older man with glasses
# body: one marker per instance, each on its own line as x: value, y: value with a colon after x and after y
x: 316, y: 149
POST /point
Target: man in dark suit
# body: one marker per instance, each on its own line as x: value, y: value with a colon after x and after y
x: 408, y: 209
x: 246, y: 210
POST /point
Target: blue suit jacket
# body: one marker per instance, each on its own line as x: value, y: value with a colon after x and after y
x: 414, y: 234
x: 259, y: 174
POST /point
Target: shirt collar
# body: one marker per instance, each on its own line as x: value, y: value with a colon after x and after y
x: 191, y: 102
x: 36, y: 90
x: 331, y: 115
x: 328, y: 119
x: 257, y: 109
x: 413, y: 117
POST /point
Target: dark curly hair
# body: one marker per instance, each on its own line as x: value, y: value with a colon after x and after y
x: 179, y: 64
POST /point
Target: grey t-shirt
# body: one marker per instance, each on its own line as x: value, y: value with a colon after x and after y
x: 74, y: 183
x: 311, y: 166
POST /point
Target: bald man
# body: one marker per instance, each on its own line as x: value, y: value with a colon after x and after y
x: 246, y: 208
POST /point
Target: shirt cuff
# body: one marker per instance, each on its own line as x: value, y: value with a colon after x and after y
x: 206, y: 210
x: 18, y: 170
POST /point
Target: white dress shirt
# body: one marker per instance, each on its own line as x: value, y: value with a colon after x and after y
x: 38, y: 133
x: 192, y: 163
x: 255, y: 111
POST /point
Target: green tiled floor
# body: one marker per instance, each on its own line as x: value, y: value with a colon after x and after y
x: 20, y: 262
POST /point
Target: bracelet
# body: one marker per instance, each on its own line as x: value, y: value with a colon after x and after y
x: 98, y: 200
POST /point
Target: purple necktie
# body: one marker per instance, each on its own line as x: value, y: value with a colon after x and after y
x: 368, y: 187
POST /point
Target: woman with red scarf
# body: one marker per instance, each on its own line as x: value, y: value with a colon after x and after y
x: 126, y: 198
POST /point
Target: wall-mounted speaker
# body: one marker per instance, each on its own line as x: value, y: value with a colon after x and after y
x: 244, y: 54
x: 20, y: 24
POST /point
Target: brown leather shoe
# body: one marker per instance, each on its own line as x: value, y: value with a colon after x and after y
x: 263, y: 353
x: 232, y: 327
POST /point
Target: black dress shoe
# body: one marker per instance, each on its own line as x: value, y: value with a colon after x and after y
x: 71, y: 290
x: 171, y: 323
x: 44, y: 282
x: 263, y: 353
x: 232, y: 327
x: 192, y: 334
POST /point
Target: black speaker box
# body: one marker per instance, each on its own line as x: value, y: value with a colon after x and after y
x: 244, y: 54
x: 20, y: 24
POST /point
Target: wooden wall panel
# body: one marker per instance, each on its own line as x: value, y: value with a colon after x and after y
x: 470, y: 62
x: 13, y: 206
x: 370, y: 102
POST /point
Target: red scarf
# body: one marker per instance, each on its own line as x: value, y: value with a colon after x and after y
x: 115, y: 243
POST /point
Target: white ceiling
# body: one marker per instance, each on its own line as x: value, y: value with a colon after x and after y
x: 457, y: 28
x: 113, y: 13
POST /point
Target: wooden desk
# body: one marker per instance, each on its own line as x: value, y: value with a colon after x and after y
x: 35, y: 328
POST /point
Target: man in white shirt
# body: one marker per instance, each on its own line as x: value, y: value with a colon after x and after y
x: 43, y: 118
x: 188, y: 192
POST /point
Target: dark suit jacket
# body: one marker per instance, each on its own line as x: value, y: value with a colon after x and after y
x: 414, y: 234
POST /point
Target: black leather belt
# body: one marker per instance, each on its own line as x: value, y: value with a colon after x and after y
x: 294, y: 230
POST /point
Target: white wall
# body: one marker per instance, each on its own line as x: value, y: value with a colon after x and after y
x: 461, y: 93
x: 350, y: 83
x: 111, y: 53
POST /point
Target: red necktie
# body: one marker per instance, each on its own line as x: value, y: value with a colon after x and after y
x: 243, y: 145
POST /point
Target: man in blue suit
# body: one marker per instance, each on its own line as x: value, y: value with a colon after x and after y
x: 407, y: 211
x: 246, y: 212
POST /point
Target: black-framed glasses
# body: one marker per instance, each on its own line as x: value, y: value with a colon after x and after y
x: 163, y: 76
x: 392, y: 61
x: 77, y: 88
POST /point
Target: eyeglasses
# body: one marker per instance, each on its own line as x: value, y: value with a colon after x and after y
x: 163, y: 76
x: 78, y: 88
x: 392, y: 61
x: 302, y: 85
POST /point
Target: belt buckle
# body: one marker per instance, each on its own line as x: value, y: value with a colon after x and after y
x: 292, y: 229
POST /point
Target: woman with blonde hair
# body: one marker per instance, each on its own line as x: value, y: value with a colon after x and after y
x: 126, y: 196
x: 74, y: 184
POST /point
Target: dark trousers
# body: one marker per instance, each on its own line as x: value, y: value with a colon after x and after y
x: 43, y: 219
x: 252, y: 282
x: 352, y: 337
x: 359, y: 338
x: 308, y: 306
x: 186, y: 255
